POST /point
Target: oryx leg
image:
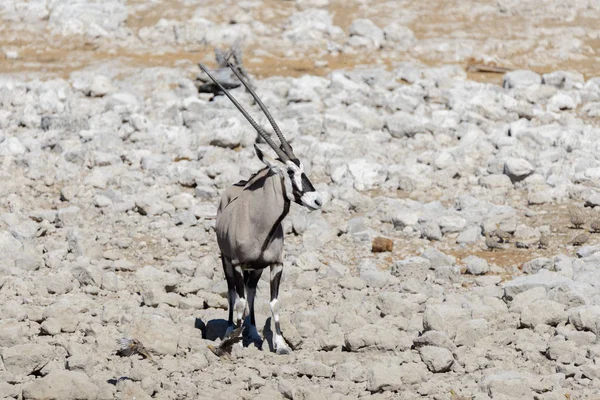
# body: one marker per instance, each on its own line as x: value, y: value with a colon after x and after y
x: 251, y: 277
x: 235, y: 293
x: 279, y: 343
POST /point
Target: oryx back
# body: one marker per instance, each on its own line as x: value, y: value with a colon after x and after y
x: 249, y: 217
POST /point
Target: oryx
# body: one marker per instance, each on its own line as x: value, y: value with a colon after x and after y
x: 249, y: 217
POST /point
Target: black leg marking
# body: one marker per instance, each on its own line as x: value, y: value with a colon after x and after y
x: 231, y: 293
x: 251, y: 278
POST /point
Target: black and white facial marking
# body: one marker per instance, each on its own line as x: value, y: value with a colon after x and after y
x: 298, y: 187
x: 302, y: 190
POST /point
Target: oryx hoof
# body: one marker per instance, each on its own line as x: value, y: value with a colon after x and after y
x: 230, y: 328
x: 283, y: 350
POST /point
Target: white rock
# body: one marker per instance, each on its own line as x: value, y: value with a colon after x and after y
x: 585, y: 318
x: 544, y: 278
x: 410, y: 264
x: 404, y: 218
x: 543, y: 312
x: 24, y: 359
x: 386, y: 377
x: 561, y: 102
x: 451, y: 223
x: 399, y: 35
x: 476, y: 265
x: 314, y: 368
x: 11, y: 332
x: 517, y: 169
x: 437, y: 258
x: 523, y: 299
x: 67, y: 385
x: 520, y: 79
x: 401, y: 124
x: 437, y: 359
x: 158, y: 334
x: 469, y: 235
x: 366, y: 28
x: 14, y: 146
x: 367, y: 175
x: 564, y: 79
x: 100, y: 86
x: 510, y: 384
x: 469, y: 333
x: 445, y: 317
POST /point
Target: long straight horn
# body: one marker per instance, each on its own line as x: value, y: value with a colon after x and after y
x: 280, y: 153
x: 284, y: 143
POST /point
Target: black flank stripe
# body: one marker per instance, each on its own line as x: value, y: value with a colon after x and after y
x: 286, y: 209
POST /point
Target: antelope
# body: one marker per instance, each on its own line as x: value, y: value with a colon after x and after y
x: 249, y: 217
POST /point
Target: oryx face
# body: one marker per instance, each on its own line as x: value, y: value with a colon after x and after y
x: 303, y: 191
x: 298, y: 187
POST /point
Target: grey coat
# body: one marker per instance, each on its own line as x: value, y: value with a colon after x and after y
x: 249, y: 217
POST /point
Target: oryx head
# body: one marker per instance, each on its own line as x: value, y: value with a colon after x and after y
x: 298, y: 187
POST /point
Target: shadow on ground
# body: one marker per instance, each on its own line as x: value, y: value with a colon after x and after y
x: 216, y: 328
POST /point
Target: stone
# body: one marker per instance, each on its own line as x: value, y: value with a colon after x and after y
x: 517, y: 169
x: 543, y: 312
x: 148, y: 277
x: 367, y: 175
x: 110, y: 281
x: 397, y: 304
x: 384, y: 377
x: 402, y: 124
x: 431, y: 231
x: 535, y: 265
x: 564, y: 79
x: 310, y: 25
x: 406, y: 218
x: 351, y: 371
x: 409, y: 265
x: 495, y: 181
x: 520, y: 79
x: 565, y: 352
x: 437, y: 359
x: 158, y: 334
x: 521, y: 300
x: 451, y: 223
x: 511, y: 384
x: 399, y: 35
x: 11, y: 332
x: 561, y: 102
x: 469, y: 235
x: 381, y: 245
x: 476, y: 265
x: 437, y: 258
x: 445, y: 317
x: 374, y: 277
x: 370, y: 337
x: 467, y: 334
x: 67, y: 385
x: 585, y: 318
x: 25, y: 359
x: 543, y: 278
x: 314, y: 368
x: 51, y: 326
x: 100, y: 86
x: 367, y: 29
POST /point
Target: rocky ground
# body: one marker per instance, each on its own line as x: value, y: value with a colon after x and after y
x: 113, y: 163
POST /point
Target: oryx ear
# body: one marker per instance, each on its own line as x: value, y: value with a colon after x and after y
x: 268, y: 161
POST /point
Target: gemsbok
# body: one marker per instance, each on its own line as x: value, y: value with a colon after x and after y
x: 249, y: 217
